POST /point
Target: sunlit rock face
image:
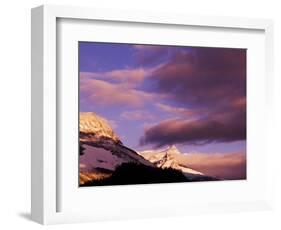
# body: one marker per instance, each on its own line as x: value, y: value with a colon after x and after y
x: 103, y: 150
x: 93, y: 125
x: 169, y: 158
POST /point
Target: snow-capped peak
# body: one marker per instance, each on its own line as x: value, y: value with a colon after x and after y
x: 168, y: 158
x: 172, y: 150
x: 91, y: 123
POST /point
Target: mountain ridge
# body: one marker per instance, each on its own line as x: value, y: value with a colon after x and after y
x: 95, y: 126
x: 102, y: 153
x: 166, y: 158
x: 103, y: 150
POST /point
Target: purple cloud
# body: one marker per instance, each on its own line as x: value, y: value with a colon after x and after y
x: 109, y: 94
x: 137, y: 115
x: 180, y: 111
x: 134, y: 76
x: 151, y: 55
x: 221, y: 126
x: 204, y: 76
x: 210, y: 86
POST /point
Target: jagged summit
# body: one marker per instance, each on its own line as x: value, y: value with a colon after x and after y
x: 91, y: 123
x: 171, y: 150
x: 103, y: 150
x: 168, y: 158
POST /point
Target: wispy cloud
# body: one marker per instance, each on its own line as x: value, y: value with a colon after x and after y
x: 137, y: 115
x: 220, y: 165
x: 216, y: 128
x: 109, y: 94
x: 211, y: 81
x: 179, y: 110
x: 206, y: 76
x: 130, y: 75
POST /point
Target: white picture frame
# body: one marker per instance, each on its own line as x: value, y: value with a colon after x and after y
x: 46, y: 184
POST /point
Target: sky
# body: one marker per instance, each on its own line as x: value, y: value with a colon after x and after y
x: 156, y: 96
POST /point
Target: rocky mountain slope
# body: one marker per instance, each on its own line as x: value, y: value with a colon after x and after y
x: 105, y: 160
x: 168, y: 158
x: 103, y: 150
x: 93, y: 126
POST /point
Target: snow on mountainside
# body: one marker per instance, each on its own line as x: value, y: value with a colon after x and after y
x: 103, y: 150
x: 98, y: 159
x: 92, y: 124
x: 167, y: 158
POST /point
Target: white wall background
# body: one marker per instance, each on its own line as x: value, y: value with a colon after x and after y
x: 15, y: 112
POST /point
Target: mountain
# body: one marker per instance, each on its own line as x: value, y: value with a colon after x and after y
x: 94, y: 126
x: 105, y: 160
x: 102, y: 149
x: 168, y: 158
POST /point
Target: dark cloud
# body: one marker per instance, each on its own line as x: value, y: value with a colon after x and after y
x: 212, y: 79
x: 204, y: 76
x: 151, y: 55
x: 221, y: 126
x: 193, y: 132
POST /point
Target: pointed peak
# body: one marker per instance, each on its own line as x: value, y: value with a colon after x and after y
x: 91, y: 123
x: 173, y: 150
x: 173, y: 147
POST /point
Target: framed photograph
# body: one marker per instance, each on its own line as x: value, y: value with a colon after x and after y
x: 138, y: 114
